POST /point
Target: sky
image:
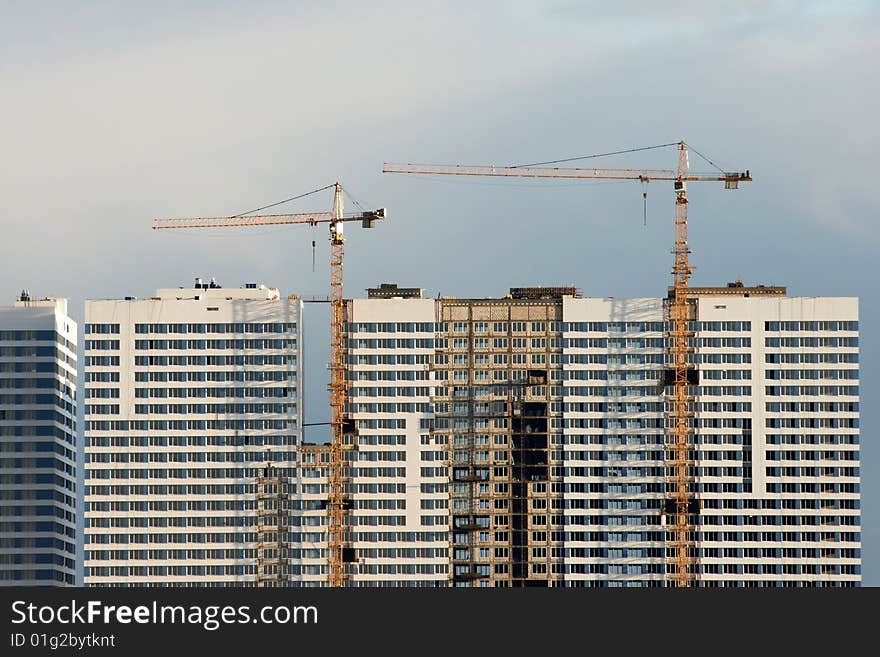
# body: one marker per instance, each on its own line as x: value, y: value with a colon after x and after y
x: 116, y: 113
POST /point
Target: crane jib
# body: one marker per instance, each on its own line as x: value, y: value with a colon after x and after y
x: 312, y: 218
x: 563, y: 172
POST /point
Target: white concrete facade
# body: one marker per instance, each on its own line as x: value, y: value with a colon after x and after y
x: 789, y: 514
x: 398, y: 527
x: 401, y: 510
x: 188, y: 394
x: 613, y: 358
x: 38, y: 379
x: 777, y: 441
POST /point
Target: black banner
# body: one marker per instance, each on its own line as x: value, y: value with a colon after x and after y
x: 244, y: 621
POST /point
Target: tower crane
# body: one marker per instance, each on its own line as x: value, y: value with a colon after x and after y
x: 339, y: 422
x: 681, y: 503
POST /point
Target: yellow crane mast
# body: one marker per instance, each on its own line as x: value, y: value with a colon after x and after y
x: 681, y: 503
x: 339, y: 423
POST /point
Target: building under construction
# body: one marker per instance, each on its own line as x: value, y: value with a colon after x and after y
x: 498, y: 405
x: 544, y: 439
x: 555, y: 411
x: 542, y: 455
x: 525, y: 440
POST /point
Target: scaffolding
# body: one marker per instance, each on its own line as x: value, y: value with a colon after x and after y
x: 272, y: 571
x: 498, y: 434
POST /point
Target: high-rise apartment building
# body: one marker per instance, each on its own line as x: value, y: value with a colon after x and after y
x: 511, y: 442
x: 776, y: 456
x: 400, y: 514
x: 396, y: 475
x: 553, y: 412
x: 37, y: 443
x: 189, y: 395
x: 778, y: 450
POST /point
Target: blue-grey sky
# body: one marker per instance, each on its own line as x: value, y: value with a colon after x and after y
x: 114, y: 113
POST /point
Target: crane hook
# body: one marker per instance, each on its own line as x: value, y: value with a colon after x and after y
x: 313, y: 256
x: 644, y: 202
